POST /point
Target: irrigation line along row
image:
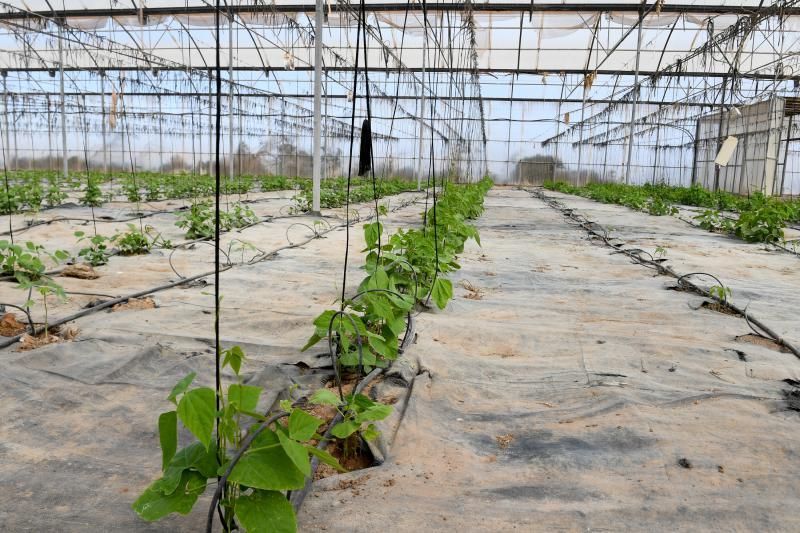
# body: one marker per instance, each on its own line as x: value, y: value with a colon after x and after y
x: 597, y: 230
x: 268, y: 255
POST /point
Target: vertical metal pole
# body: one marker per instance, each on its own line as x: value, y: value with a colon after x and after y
x: 103, y: 121
x: 160, y: 136
x: 422, y: 112
x: 49, y: 137
x: 65, y: 168
x: 240, y: 132
x: 14, y: 123
x: 325, y: 159
x: 7, y: 139
x: 579, y: 180
x: 230, y: 95
x: 316, y: 170
x: 635, y: 92
x: 694, y: 157
x: 210, y: 123
x: 785, y: 156
x: 33, y: 141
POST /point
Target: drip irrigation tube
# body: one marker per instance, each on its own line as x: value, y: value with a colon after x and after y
x: 105, y: 305
x: 597, y: 230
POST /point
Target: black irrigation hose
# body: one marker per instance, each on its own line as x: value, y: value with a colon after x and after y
x: 24, y: 310
x: 37, y: 223
x: 314, y: 231
x: 110, y: 303
x: 11, y: 340
x: 590, y: 226
x: 775, y: 244
x: 175, y: 249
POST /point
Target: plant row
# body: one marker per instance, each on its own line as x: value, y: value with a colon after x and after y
x: 406, y: 268
x: 31, y: 190
x: 273, y: 451
x: 760, y: 218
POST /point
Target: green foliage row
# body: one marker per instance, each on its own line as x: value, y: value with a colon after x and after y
x: 403, y: 269
x: 199, y: 220
x: 333, y: 192
x: 760, y: 218
x: 30, y: 190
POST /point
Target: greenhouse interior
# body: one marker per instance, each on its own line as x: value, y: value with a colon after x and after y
x: 275, y: 266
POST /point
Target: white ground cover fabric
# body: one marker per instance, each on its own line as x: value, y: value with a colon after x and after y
x: 563, y: 397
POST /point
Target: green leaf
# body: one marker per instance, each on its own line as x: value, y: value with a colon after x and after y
x: 266, y: 511
x: 311, y: 342
x: 197, y: 411
x: 181, y: 387
x: 344, y: 429
x: 326, y: 458
x: 442, y: 292
x: 370, y: 433
x: 265, y: 465
x: 378, y: 280
x: 380, y: 306
x: 302, y: 425
x: 372, y: 233
x: 296, y: 452
x: 378, y: 411
x: 325, y: 397
x: 198, y: 457
x: 233, y: 357
x: 168, y: 436
x: 384, y: 348
x: 153, y: 504
x: 245, y: 397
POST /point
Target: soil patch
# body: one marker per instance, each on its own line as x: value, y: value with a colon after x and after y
x: 135, y: 304
x: 10, y: 326
x: 80, y: 271
x: 719, y: 308
x: 762, y: 341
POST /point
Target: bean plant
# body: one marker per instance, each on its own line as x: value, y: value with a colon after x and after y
x: 404, y: 269
x: 199, y: 219
x: 275, y: 450
x: 760, y: 218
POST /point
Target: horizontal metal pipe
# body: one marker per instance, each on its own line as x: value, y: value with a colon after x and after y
x: 526, y: 7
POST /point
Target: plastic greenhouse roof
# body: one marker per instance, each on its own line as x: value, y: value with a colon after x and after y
x: 508, y: 36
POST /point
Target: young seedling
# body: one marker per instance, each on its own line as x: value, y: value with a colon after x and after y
x: 97, y: 253
x: 720, y: 292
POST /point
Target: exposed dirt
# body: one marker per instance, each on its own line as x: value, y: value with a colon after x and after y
x: 10, y: 326
x: 719, y: 308
x: 473, y: 292
x: 762, y: 341
x: 80, y: 271
x: 54, y: 335
x: 352, y: 455
x: 135, y: 304
x: 504, y: 441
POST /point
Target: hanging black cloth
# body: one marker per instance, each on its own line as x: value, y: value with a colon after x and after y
x: 365, y: 155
